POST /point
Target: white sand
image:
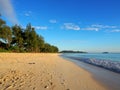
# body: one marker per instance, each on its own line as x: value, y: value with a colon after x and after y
x: 33, y: 71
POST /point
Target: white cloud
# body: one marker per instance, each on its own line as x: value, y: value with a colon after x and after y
x: 91, y: 29
x: 116, y: 30
x: 71, y: 26
x: 53, y: 21
x: 40, y: 27
x: 27, y: 13
x: 103, y: 26
x: 7, y: 10
x: 98, y: 27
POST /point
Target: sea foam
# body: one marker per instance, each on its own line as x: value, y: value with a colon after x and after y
x: 107, y: 64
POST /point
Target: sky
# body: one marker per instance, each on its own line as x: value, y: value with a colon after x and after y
x: 85, y: 25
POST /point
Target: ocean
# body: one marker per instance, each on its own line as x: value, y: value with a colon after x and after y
x: 110, y: 61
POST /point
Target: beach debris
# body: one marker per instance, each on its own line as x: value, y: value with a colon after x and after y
x: 68, y: 89
x: 46, y: 86
x: 31, y: 63
x: 51, y: 83
x: 0, y: 82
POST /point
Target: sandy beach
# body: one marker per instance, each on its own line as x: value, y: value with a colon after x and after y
x: 34, y: 71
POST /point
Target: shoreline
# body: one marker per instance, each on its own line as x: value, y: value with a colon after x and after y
x: 105, y: 77
x: 113, y: 66
x: 36, y: 71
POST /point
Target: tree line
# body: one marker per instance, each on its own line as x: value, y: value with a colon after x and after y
x: 17, y: 39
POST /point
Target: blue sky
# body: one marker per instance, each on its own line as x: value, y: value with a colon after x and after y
x: 86, y: 25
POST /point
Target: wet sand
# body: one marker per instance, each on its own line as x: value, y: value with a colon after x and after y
x: 34, y: 71
x: 107, y: 78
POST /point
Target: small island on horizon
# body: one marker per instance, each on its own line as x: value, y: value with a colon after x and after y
x: 71, y: 51
x: 105, y: 52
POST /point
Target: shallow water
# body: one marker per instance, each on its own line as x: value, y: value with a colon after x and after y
x: 106, y: 77
x: 106, y: 61
x: 109, y: 56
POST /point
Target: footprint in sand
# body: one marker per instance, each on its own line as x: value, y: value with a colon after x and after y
x: 11, y: 80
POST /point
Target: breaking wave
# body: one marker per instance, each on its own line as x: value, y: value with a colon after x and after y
x: 107, y: 64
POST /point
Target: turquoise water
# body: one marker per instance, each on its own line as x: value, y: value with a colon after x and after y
x: 107, y: 61
x: 97, y: 56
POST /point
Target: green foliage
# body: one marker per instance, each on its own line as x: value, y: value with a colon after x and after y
x: 16, y: 39
x: 2, y: 22
x: 5, y: 33
x: 31, y: 39
x: 3, y: 50
x: 49, y: 48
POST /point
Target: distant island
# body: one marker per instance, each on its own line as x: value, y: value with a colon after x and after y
x: 105, y: 52
x: 71, y: 51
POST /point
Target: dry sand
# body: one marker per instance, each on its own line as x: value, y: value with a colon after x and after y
x: 33, y: 71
